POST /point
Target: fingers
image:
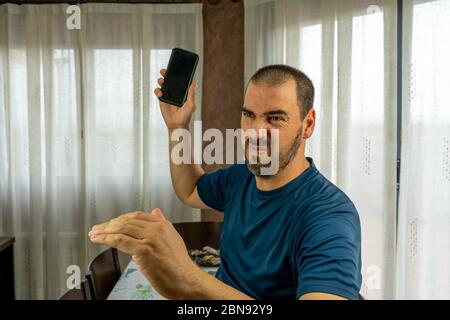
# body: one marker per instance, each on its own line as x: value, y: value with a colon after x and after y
x: 122, y: 242
x: 158, y: 92
x: 140, y: 215
x: 157, y: 212
x: 127, y: 229
x: 99, y: 226
x: 138, y: 219
x: 191, y: 93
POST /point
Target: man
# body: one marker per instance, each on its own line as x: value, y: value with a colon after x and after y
x: 290, y: 235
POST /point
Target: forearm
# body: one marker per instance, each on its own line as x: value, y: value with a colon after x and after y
x: 203, y: 286
x: 184, y: 176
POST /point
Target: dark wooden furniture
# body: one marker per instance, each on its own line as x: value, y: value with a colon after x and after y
x: 196, y: 235
x: 104, y: 271
x: 6, y: 269
x: 81, y: 293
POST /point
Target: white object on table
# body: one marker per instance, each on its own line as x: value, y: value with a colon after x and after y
x: 133, y: 285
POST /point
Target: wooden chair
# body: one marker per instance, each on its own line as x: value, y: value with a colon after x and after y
x: 196, y: 235
x: 104, y: 271
x: 81, y: 293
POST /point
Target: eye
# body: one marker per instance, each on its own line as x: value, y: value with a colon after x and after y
x: 247, y: 114
x: 274, y: 118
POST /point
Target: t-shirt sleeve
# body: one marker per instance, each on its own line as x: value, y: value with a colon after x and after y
x: 214, y: 188
x: 328, y: 259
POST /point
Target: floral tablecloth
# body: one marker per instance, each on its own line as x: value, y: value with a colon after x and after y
x: 133, y: 285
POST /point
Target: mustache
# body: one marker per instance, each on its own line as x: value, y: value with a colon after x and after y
x: 258, y: 142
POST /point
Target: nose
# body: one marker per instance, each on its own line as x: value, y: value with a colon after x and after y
x: 263, y: 134
x: 258, y: 134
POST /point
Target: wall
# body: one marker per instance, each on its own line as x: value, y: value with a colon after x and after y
x: 223, y: 71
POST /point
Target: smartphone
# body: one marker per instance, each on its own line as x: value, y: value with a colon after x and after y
x: 179, y: 74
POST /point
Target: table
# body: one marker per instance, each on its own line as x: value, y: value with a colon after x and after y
x: 133, y: 285
x: 6, y: 269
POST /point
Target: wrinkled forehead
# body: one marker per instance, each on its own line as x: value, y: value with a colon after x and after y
x: 261, y: 97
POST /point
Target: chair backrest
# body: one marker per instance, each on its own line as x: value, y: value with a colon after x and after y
x: 81, y: 293
x: 196, y: 235
x: 104, y: 271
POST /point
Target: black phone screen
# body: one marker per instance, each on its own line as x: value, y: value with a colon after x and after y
x: 180, y: 72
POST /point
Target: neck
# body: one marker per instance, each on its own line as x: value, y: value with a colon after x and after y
x: 285, y: 175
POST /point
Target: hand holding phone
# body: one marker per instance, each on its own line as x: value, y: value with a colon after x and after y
x: 177, y: 92
x: 174, y: 116
x: 179, y: 74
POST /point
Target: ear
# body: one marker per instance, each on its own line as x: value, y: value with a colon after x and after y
x: 309, y: 123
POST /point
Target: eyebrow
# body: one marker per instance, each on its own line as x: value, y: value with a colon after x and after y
x: 269, y: 113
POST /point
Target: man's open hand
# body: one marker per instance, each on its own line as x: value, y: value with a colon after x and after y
x: 155, y: 246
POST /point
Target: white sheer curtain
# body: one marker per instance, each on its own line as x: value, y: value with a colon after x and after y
x: 424, y: 212
x: 348, y: 48
x: 81, y: 136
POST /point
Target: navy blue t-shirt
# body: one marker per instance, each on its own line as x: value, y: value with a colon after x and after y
x: 280, y: 244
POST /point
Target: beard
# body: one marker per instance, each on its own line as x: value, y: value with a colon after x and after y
x: 284, y: 157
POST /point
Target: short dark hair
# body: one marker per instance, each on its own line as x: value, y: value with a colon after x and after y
x: 278, y: 74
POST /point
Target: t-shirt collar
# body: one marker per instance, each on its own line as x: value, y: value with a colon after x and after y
x: 294, y: 183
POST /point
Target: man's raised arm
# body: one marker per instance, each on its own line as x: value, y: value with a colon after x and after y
x: 184, y: 176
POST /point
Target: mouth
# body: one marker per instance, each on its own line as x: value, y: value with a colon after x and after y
x: 254, y: 149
